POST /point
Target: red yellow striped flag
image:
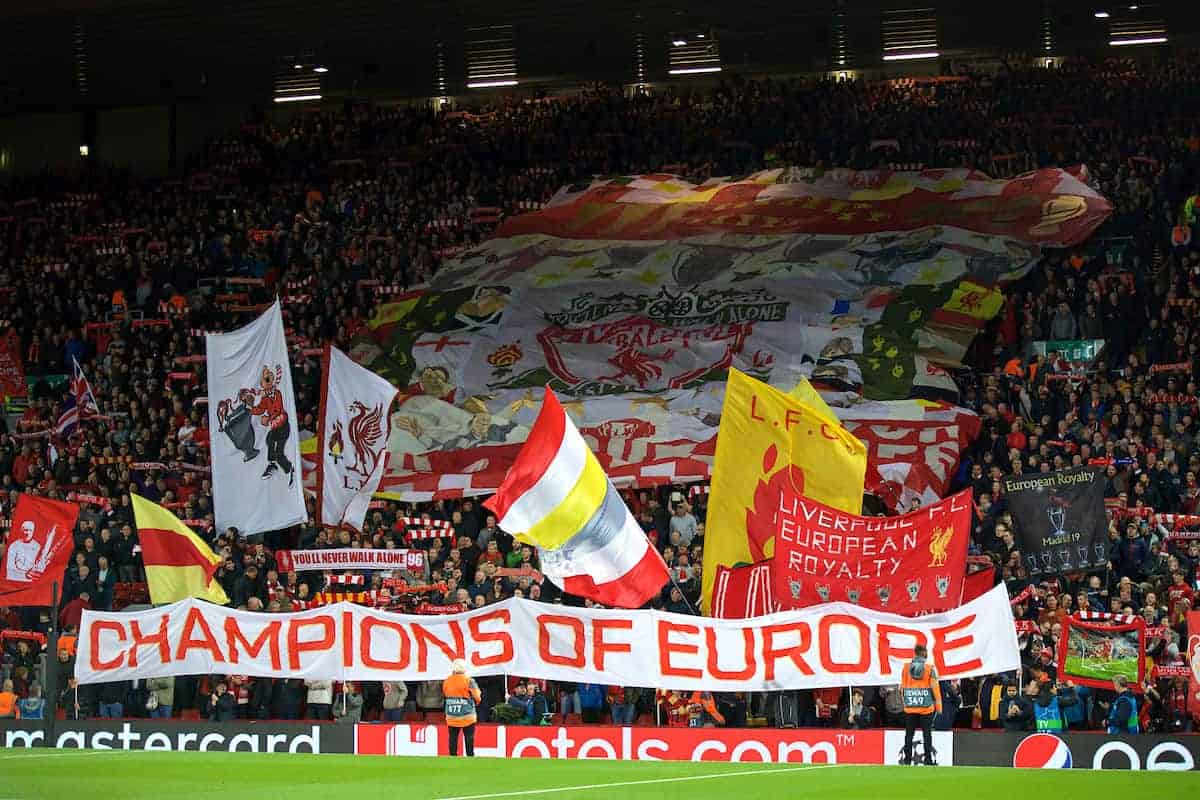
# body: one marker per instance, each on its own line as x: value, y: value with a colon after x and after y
x: 178, y: 562
x: 557, y: 497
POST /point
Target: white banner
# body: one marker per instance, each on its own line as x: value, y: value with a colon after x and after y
x: 352, y: 442
x: 347, y: 558
x: 836, y: 644
x: 252, y: 414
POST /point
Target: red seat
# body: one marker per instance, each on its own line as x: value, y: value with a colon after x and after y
x: 572, y: 719
x: 606, y: 718
x: 435, y: 718
x: 644, y: 721
x: 414, y: 716
x: 60, y: 713
x: 190, y: 714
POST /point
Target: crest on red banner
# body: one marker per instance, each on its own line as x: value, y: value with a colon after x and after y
x: 911, y: 564
x: 37, y: 550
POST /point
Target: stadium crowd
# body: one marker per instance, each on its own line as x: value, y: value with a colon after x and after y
x: 121, y: 272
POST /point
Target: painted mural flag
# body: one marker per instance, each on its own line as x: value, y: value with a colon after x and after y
x: 1094, y: 651
x: 633, y: 296
x: 558, y: 498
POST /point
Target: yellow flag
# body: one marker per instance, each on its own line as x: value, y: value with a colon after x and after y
x: 764, y: 432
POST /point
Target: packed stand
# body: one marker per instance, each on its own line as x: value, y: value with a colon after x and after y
x: 336, y: 210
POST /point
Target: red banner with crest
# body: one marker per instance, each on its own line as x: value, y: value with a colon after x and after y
x: 911, y: 564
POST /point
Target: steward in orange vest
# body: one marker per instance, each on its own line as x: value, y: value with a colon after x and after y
x: 922, y: 698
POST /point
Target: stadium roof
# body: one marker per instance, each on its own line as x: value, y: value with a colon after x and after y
x: 60, y: 54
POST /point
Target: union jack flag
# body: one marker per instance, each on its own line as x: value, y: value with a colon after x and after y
x: 80, y: 403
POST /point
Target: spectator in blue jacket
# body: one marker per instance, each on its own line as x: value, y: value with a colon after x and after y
x: 1123, y: 712
x: 591, y: 701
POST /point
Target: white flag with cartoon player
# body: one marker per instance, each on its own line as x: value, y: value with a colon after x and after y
x: 352, y: 441
x: 257, y: 485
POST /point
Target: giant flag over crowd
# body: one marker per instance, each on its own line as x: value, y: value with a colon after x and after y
x: 557, y: 497
x: 633, y: 296
x: 252, y: 415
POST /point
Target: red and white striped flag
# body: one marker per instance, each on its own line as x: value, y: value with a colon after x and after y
x: 557, y: 497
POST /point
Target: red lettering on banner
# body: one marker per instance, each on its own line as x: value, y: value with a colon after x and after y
x: 269, y: 635
x: 296, y: 646
x: 98, y: 627
x: 666, y: 647
x: 403, y: 651
x: 195, y: 620
x: 790, y: 418
x: 864, y: 644
x: 883, y: 636
x: 577, y: 659
x: 424, y: 637
x: 483, y: 637
x: 714, y: 668
x: 141, y: 640
x: 754, y: 408
x: 600, y: 647
x: 347, y: 639
x: 795, y: 652
x: 942, y: 642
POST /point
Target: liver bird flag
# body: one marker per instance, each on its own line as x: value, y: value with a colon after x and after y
x: 557, y: 497
x: 352, y: 441
x: 769, y: 441
x: 178, y: 562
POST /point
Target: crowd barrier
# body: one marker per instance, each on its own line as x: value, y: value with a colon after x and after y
x: 771, y: 745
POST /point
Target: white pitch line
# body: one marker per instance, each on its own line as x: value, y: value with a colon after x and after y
x: 56, y: 754
x: 586, y: 786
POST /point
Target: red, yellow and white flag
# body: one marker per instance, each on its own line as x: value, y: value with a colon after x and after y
x: 557, y: 497
x: 178, y: 562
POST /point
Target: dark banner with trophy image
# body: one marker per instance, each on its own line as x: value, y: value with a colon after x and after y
x: 1059, y: 519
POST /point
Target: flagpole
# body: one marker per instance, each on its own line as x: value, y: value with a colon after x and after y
x: 50, y: 708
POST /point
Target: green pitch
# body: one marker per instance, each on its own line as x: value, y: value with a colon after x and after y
x: 1102, y: 670
x: 120, y: 775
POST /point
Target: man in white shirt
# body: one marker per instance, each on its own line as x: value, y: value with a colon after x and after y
x: 684, y: 524
x: 22, y: 556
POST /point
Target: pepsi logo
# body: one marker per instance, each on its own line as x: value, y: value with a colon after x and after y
x: 1042, y: 751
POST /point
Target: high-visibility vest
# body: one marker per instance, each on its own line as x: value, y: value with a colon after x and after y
x: 921, y: 694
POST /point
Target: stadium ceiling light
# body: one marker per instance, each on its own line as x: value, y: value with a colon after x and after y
x: 679, y: 42
x: 1133, y: 8
x: 911, y: 56
x: 320, y: 69
x: 490, y: 84
x: 692, y: 70
x: 1143, y: 40
x: 296, y: 98
x: 1101, y: 15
